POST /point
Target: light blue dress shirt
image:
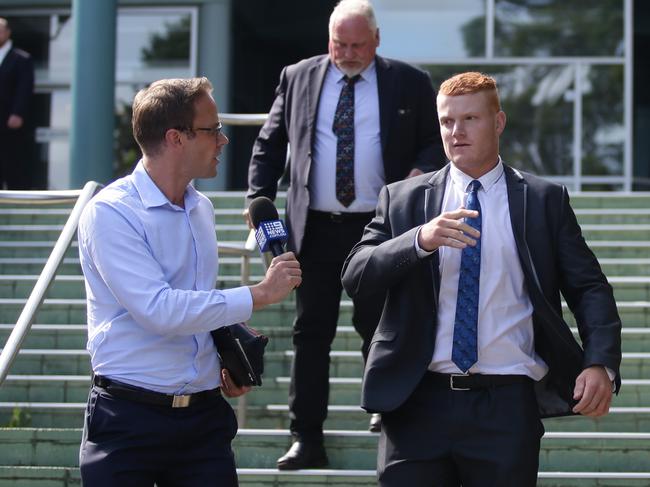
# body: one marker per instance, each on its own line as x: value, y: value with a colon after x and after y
x: 150, y: 268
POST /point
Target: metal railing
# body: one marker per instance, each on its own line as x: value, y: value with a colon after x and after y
x: 35, y: 300
x: 45, y: 279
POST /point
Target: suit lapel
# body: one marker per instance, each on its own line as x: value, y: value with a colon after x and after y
x: 432, y: 208
x: 316, y: 79
x: 385, y: 86
x: 517, y: 202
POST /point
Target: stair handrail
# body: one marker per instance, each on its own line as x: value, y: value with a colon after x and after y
x: 36, y: 297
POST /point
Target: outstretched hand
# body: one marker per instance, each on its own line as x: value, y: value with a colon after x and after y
x: 593, y: 391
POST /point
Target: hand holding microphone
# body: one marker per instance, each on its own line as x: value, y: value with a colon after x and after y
x: 284, y: 273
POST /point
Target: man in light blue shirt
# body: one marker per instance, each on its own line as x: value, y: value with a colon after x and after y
x: 148, y: 251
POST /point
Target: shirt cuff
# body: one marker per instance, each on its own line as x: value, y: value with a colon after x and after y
x: 419, y: 250
x: 239, y: 304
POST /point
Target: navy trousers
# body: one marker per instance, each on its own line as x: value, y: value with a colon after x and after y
x: 325, y: 247
x: 131, y: 444
x: 476, y: 438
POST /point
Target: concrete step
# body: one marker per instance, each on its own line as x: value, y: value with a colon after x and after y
x: 343, y: 391
x: 567, y: 451
x: 20, y: 284
x: 69, y: 310
x: 343, y: 363
x: 609, y: 200
x: 280, y: 338
x: 276, y: 416
x: 620, y: 419
x: 239, y: 231
x: 612, y: 215
x: 249, y: 477
x: 44, y: 232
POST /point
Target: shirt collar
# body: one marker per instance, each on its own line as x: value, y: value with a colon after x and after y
x: 4, y: 50
x: 488, y: 180
x: 151, y: 195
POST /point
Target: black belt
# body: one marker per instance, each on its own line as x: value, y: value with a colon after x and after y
x: 136, y: 394
x: 341, y: 217
x: 461, y: 382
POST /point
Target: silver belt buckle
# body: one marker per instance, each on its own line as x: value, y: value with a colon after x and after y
x: 451, y: 382
x: 181, y: 401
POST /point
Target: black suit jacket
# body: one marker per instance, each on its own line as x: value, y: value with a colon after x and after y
x: 554, y: 257
x: 16, y: 85
x: 410, y: 135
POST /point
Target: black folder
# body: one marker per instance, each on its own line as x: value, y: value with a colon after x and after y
x: 241, y: 350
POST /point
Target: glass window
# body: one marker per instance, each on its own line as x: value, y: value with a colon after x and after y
x: 153, y: 44
x: 420, y: 30
x: 603, y: 126
x: 559, y: 28
x: 537, y: 101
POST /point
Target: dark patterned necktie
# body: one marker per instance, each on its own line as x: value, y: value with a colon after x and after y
x: 464, y: 352
x: 343, y: 128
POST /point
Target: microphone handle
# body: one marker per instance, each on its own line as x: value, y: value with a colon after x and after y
x: 276, y: 248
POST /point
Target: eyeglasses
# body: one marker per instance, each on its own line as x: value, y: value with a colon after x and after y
x: 215, y: 131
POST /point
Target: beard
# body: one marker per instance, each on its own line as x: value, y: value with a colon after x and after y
x: 350, y: 71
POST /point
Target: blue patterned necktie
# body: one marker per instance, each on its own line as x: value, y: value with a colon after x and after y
x: 464, y: 352
x: 343, y: 128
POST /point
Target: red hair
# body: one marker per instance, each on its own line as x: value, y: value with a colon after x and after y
x: 470, y: 83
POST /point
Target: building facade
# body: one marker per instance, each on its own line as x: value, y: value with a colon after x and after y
x: 567, y: 71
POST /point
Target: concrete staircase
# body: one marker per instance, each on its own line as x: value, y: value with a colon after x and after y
x: 42, y: 400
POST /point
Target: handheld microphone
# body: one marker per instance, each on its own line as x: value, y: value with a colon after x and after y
x: 270, y: 232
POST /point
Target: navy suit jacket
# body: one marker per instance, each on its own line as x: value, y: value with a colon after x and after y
x: 410, y: 135
x: 555, y: 260
x: 16, y: 85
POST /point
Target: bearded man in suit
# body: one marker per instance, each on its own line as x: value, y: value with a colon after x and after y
x: 354, y: 121
x: 471, y: 349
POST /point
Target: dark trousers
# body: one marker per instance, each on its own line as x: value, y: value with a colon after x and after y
x: 15, y: 154
x: 326, y: 245
x: 479, y: 438
x: 131, y: 444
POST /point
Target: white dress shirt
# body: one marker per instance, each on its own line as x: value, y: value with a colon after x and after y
x: 368, y: 162
x: 150, y: 268
x: 4, y: 50
x: 505, y: 325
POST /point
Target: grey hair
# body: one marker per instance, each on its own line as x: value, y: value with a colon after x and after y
x: 351, y: 8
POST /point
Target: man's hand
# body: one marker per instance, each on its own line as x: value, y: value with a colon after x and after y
x: 14, y: 122
x: 228, y: 386
x: 593, y: 390
x: 247, y: 217
x: 449, y: 229
x: 282, y: 276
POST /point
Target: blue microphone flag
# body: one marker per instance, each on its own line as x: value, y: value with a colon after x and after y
x: 269, y: 232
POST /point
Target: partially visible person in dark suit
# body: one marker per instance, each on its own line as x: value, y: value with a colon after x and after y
x: 471, y: 349
x: 16, y: 91
x: 354, y: 121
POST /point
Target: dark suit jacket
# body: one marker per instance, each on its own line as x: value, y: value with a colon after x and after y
x: 16, y: 85
x: 554, y: 257
x: 410, y: 135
